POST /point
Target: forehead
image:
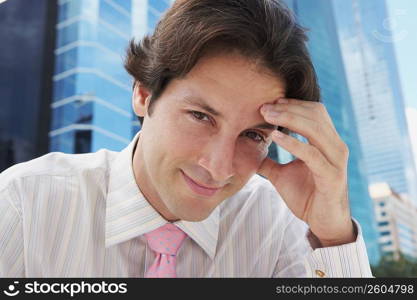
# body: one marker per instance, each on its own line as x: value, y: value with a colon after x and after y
x: 236, y: 74
x: 231, y: 83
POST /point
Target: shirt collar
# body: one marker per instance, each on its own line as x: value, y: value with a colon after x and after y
x: 129, y: 214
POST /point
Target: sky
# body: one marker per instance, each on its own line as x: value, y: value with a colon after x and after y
x: 403, y: 20
x: 402, y: 24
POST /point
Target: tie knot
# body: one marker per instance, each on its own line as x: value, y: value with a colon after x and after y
x: 166, y: 239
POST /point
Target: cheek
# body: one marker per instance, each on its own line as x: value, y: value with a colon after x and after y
x: 191, y: 136
x: 172, y: 131
x: 183, y: 137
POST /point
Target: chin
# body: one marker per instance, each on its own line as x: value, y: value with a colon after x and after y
x: 195, y: 218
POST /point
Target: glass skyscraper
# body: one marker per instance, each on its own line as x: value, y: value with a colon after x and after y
x: 377, y: 100
x: 91, y: 106
x: 324, y: 48
x: 91, y: 102
x: 26, y: 65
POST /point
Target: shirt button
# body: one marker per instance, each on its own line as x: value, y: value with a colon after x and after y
x: 320, y: 273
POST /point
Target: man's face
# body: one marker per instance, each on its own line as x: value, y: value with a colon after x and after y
x: 205, y: 136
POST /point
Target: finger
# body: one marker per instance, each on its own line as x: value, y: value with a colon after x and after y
x: 266, y: 168
x: 318, y: 134
x: 305, y: 103
x: 307, y: 109
x: 309, y: 154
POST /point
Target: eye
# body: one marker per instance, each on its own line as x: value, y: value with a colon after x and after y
x: 199, y: 115
x: 255, y: 136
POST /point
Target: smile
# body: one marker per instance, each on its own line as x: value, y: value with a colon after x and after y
x: 197, y: 188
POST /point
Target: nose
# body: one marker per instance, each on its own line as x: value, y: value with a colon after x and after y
x: 218, y: 159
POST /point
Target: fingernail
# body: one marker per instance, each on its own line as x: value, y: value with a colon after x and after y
x: 278, y: 134
x: 272, y: 114
x: 267, y: 107
x: 282, y: 100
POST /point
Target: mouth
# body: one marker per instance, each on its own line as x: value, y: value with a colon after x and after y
x: 198, y: 188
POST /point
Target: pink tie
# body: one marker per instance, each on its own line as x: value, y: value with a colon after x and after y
x: 165, y: 241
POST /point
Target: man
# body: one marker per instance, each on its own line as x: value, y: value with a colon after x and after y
x: 211, y: 86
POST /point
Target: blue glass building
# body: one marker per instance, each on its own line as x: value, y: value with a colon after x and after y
x: 319, y: 18
x: 91, y: 106
x: 377, y: 100
x: 91, y: 102
x: 26, y: 65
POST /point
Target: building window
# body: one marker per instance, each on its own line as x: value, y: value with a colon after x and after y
x: 84, y: 112
x: 7, y: 154
x: 385, y: 223
x: 82, y: 141
x: 387, y: 243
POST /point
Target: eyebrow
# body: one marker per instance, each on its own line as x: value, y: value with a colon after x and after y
x: 202, y: 104
x: 194, y: 100
x: 265, y: 125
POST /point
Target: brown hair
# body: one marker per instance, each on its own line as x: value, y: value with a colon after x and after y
x: 262, y: 30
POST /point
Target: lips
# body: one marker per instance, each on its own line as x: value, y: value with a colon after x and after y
x: 197, y: 188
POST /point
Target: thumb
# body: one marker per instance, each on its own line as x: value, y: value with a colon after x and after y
x: 267, y: 168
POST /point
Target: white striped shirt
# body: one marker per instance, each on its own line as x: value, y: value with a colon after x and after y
x: 83, y: 215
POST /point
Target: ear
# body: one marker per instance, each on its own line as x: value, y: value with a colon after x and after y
x: 140, y: 100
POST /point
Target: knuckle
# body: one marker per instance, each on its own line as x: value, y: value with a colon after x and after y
x: 339, y: 175
x: 320, y: 106
x: 314, y: 153
x: 287, y: 117
x: 320, y: 110
x: 317, y: 115
x: 344, y: 149
x: 317, y: 128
